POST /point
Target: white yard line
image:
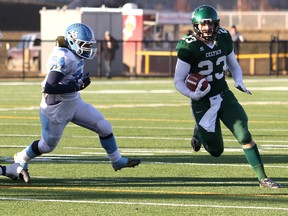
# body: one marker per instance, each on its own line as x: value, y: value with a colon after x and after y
x: 145, y: 127
x: 102, y: 106
x: 80, y: 158
x: 146, y: 204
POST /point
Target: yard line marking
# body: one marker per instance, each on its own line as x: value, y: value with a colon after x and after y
x: 19, y: 83
x: 103, y: 106
x: 20, y: 108
x: 19, y: 135
x: 152, y: 138
x: 100, y: 189
x: 147, y: 119
x: 118, y: 91
x: 215, y: 164
x: 138, y: 105
x: 146, y: 204
x: 145, y: 127
x: 264, y: 102
x: 54, y: 158
x: 18, y: 117
x: 136, y: 151
x: 262, y: 144
x: 274, y: 88
x: 175, y: 138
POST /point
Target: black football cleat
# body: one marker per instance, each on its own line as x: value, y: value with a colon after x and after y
x: 125, y: 163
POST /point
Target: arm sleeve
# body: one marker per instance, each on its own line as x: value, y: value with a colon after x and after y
x: 234, y: 68
x: 181, y: 71
x: 53, y: 85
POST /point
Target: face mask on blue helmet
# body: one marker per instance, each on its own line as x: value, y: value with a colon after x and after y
x: 80, y: 40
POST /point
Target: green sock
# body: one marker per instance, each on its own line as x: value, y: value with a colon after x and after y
x: 253, y: 157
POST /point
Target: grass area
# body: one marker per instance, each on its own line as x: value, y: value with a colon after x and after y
x: 153, y: 122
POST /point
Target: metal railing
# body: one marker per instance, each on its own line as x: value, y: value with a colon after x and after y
x: 157, y: 58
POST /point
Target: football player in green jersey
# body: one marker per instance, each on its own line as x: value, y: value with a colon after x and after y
x: 209, y: 51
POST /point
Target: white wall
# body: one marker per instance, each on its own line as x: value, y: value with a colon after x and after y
x: 53, y: 24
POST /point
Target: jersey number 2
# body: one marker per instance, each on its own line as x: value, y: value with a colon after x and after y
x: 207, y: 66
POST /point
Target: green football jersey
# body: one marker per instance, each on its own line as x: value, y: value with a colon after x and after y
x: 210, y: 62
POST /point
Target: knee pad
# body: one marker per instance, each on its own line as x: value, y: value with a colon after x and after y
x: 44, y: 147
x: 244, y: 138
x: 104, y: 128
x: 214, y: 152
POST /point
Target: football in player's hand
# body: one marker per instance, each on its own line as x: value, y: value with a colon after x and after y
x: 192, y: 81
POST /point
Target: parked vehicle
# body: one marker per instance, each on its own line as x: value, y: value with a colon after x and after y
x: 26, y: 55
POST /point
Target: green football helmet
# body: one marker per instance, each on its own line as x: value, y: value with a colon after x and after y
x: 205, y: 14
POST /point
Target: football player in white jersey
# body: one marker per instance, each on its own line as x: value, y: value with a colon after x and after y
x: 61, y: 102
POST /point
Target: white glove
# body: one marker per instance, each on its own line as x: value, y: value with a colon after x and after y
x: 198, y: 93
x: 241, y: 87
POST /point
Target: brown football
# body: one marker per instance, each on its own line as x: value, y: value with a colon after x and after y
x: 192, y: 81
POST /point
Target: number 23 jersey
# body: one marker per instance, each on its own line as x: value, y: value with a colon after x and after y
x: 210, y: 61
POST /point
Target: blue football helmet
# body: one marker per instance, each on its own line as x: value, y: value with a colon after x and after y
x: 79, y: 38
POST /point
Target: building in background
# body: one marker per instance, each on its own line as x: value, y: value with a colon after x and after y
x: 22, y: 22
x: 155, y: 22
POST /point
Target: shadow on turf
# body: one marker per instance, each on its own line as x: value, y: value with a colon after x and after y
x: 191, y: 158
x: 227, y: 159
x: 127, y: 188
x: 156, y: 181
x: 153, y: 182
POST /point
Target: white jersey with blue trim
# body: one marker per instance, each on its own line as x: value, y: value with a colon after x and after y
x: 64, y: 61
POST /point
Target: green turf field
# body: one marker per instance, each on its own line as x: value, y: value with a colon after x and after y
x: 153, y: 122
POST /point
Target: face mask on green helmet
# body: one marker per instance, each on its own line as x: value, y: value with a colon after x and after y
x: 205, y: 14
